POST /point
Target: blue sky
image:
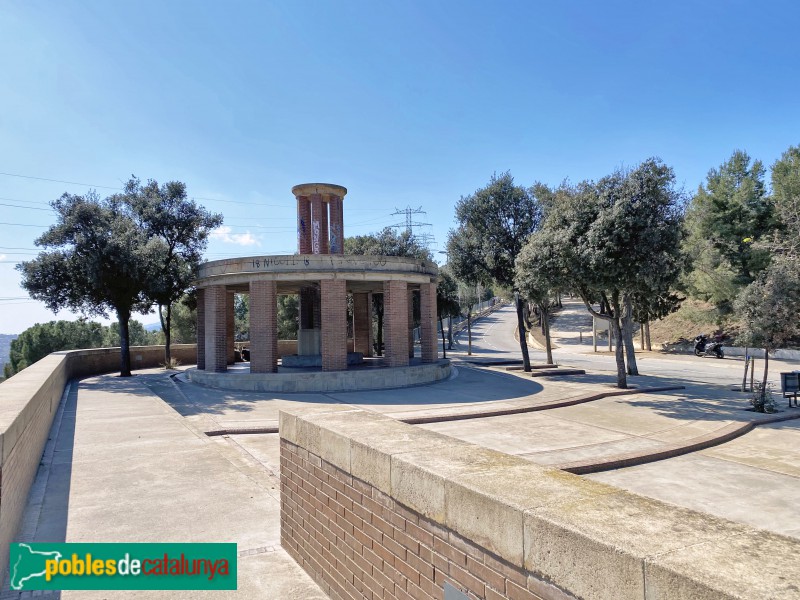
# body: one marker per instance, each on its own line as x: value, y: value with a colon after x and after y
x: 404, y: 103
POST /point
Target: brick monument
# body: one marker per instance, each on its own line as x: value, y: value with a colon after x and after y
x: 323, y: 278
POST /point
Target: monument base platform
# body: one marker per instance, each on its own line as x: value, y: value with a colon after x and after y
x: 357, y: 379
x: 315, y: 360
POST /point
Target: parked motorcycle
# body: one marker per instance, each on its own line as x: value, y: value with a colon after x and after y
x: 702, y: 347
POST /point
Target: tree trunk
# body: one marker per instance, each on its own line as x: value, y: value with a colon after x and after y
x: 766, y: 372
x: 641, y: 335
x: 166, y: 323
x: 627, y: 336
x: 469, y: 331
x: 450, y: 332
x: 123, y: 316
x: 746, y: 366
x: 548, y: 346
x: 616, y: 327
x: 647, y: 335
x: 444, y: 339
x: 523, y: 338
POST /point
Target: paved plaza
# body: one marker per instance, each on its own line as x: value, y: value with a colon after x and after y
x: 130, y: 459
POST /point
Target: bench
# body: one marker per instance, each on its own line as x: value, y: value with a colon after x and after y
x: 790, y: 386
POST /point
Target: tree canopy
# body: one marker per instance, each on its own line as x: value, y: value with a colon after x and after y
x: 41, y: 339
x: 724, y: 219
x: 611, y: 241
x: 493, y: 224
x: 166, y: 214
x: 119, y: 254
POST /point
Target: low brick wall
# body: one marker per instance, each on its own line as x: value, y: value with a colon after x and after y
x: 28, y: 403
x: 374, y: 508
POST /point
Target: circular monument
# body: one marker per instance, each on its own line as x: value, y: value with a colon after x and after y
x: 324, y: 357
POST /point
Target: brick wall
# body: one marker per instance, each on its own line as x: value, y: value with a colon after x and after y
x: 395, y: 322
x: 427, y: 308
x: 201, y: 328
x: 215, y: 329
x: 263, y: 327
x: 357, y: 542
x: 375, y: 508
x: 334, y: 324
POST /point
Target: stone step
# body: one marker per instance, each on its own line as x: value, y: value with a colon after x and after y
x: 520, y: 367
x: 499, y: 362
x: 554, y: 372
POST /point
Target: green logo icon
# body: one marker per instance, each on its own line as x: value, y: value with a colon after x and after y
x: 122, y: 566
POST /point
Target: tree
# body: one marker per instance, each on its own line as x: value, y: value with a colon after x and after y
x: 137, y: 335
x: 386, y: 243
x: 183, y: 329
x: 241, y: 317
x: 652, y: 307
x: 167, y: 215
x: 288, y: 316
x: 769, y: 308
x: 38, y: 341
x: 467, y: 299
x: 725, y: 217
x: 539, y: 273
x: 446, y: 301
x: 98, y: 259
x: 493, y: 224
x: 613, y: 240
x: 786, y: 202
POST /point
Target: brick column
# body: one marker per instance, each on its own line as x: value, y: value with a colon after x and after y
x: 336, y: 225
x: 263, y: 327
x: 201, y: 329
x: 316, y: 223
x: 395, y: 322
x: 410, y: 323
x: 427, y: 309
x: 324, y: 244
x: 334, y: 324
x: 216, y: 300
x: 230, y: 330
x: 303, y: 225
x: 362, y: 323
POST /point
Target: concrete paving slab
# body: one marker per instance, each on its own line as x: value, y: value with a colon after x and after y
x: 161, y: 480
x: 593, y: 451
x: 742, y: 493
x: 524, y: 433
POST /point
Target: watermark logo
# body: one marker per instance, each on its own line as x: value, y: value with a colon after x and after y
x: 122, y: 566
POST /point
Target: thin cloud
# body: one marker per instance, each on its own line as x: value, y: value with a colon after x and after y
x: 224, y: 234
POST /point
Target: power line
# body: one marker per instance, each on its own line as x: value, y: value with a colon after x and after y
x: 119, y: 189
x: 27, y: 207
x: 107, y: 187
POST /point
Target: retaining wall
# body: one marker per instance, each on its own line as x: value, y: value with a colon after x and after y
x: 28, y: 403
x: 374, y: 508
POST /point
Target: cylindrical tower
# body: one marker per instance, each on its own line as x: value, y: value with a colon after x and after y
x: 320, y: 219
